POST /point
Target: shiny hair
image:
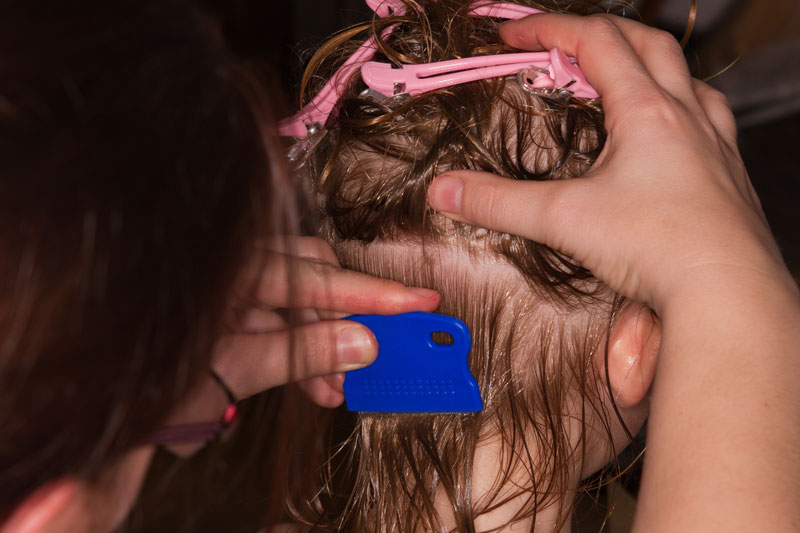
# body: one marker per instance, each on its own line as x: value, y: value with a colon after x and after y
x: 536, y: 316
x: 137, y: 169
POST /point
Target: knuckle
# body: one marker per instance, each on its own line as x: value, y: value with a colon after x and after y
x: 319, y: 267
x: 320, y: 249
x: 390, y: 287
x: 388, y: 295
x: 717, y: 107
x: 715, y: 95
x: 723, y: 112
x: 555, y: 204
x: 659, y: 108
x: 317, y: 279
x: 486, y: 203
x: 664, y: 41
x: 600, y: 25
x: 557, y: 212
x: 319, y: 342
x: 311, y: 248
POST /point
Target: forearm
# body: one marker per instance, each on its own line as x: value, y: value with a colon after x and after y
x: 723, y: 444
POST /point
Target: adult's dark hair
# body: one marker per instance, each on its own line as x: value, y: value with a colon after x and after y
x: 134, y: 177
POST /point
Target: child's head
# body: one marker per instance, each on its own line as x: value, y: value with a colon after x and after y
x: 539, y: 322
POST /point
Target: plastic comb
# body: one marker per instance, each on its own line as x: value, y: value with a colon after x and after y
x: 413, y: 372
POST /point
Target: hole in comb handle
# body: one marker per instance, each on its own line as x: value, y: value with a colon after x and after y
x: 442, y: 338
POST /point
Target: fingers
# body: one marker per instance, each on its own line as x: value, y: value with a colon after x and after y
x: 301, y: 275
x: 292, y: 282
x: 252, y: 363
x: 622, y: 59
x: 659, y: 52
x: 325, y: 391
x: 607, y: 61
x: 307, y: 247
x: 717, y: 110
x: 492, y: 202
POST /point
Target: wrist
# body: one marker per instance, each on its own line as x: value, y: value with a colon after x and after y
x: 724, y: 399
x: 747, y: 278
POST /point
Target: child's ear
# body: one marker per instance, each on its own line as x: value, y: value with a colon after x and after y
x: 632, y: 353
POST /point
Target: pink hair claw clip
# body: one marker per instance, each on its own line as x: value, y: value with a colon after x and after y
x: 552, y: 70
x: 538, y: 71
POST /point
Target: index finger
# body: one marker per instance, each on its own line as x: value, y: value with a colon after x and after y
x: 292, y: 282
x: 620, y: 57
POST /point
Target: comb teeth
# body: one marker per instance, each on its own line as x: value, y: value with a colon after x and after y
x: 413, y: 373
x: 420, y: 414
x: 408, y: 387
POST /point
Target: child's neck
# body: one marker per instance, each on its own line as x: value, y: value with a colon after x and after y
x: 486, y: 466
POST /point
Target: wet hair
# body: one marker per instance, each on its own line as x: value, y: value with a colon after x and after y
x: 537, y: 317
x: 136, y: 174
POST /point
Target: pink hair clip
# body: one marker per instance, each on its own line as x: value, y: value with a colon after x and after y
x: 539, y: 71
x: 502, y: 10
x: 482, y: 8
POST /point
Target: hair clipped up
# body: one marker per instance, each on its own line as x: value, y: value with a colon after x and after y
x: 527, y: 306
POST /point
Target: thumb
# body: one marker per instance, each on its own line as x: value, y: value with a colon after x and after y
x: 254, y: 362
x: 537, y: 210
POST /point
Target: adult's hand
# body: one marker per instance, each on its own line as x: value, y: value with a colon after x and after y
x: 668, y: 200
x: 302, y: 278
x: 667, y: 216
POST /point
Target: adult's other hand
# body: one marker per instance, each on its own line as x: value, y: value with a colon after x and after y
x: 301, y: 278
x: 667, y: 216
x: 668, y: 202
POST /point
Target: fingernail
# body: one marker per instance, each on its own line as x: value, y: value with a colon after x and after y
x: 425, y: 293
x: 508, y: 25
x: 355, y: 347
x: 445, y: 194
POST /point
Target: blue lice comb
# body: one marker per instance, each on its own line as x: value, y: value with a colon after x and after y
x: 413, y: 373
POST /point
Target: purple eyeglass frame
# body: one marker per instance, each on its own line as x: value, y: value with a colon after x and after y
x: 201, y: 431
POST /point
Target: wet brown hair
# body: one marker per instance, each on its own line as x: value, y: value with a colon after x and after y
x: 135, y: 177
x: 527, y: 306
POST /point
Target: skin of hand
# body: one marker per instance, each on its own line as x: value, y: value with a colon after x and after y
x: 298, y: 273
x: 667, y: 216
x: 664, y: 130
x: 263, y: 350
x: 303, y: 274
